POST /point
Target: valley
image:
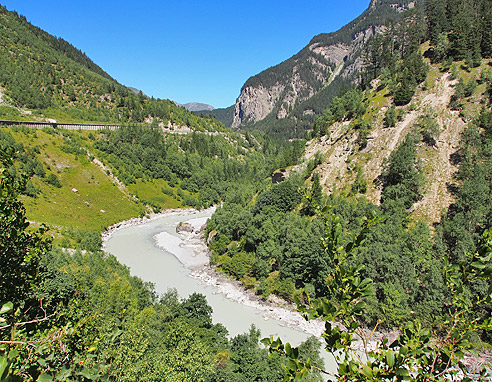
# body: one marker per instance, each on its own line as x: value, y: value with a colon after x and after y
x: 347, y: 195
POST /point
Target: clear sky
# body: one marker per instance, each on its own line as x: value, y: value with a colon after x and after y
x: 188, y: 51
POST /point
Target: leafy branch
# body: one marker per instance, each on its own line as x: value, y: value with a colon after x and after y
x: 417, y: 353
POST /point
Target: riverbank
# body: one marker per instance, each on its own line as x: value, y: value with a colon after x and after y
x: 278, y: 309
x: 191, y: 251
x: 143, y: 220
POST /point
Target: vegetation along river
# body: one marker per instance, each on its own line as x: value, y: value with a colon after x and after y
x: 155, y: 252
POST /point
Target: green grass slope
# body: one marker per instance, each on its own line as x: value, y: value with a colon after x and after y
x: 85, y: 198
x: 87, y: 181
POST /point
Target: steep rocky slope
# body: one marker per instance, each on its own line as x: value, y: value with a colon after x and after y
x: 291, y: 91
x: 343, y: 159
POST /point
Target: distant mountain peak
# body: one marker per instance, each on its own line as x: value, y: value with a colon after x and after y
x: 135, y: 90
x: 196, y: 106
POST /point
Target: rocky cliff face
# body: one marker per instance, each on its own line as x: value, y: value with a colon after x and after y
x: 326, y: 62
x: 278, y: 91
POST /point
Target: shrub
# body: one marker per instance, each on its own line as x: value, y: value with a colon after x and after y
x: 53, y: 180
x: 390, y: 117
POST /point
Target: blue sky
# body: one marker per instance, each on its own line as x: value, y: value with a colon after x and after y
x: 188, y: 51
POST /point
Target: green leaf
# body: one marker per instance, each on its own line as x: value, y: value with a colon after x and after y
x: 478, y: 265
x: 367, y: 371
x: 404, y: 350
x: 292, y: 364
x: 359, y: 307
x: 64, y: 373
x: 4, y: 367
x: 390, y: 358
x: 288, y: 350
x: 403, y: 373
x: 86, y: 373
x: 45, y: 377
x: 7, y: 307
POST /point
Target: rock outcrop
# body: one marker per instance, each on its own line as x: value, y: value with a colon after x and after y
x: 184, y: 227
x: 279, y: 92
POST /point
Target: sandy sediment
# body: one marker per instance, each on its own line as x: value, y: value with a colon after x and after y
x: 138, y: 221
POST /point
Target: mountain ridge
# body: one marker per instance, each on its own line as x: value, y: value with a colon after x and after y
x: 50, y: 78
x: 196, y: 106
x: 329, y: 62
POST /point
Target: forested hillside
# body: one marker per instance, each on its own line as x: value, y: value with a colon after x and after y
x: 51, y: 78
x: 82, y: 182
x: 383, y: 151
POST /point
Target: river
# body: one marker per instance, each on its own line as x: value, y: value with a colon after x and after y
x: 136, y: 245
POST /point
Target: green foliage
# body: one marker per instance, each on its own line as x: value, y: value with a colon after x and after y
x: 20, y: 250
x: 53, y: 180
x: 24, y: 162
x: 463, y: 90
x: 282, y: 197
x: 460, y: 228
x: 206, y: 166
x: 402, y: 179
x: 86, y: 240
x: 360, y: 183
x: 31, y: 190
x: 346, y: 106
x: 414, y: 355
x: 28, y: 348
x: 314, y: 195
x: 394, y: 55
x: 400, y: 41
x: 460, y: 29
x: 390, y: 117
x: 362, y: 130
x: 428, y: 128
x: 409, y: 73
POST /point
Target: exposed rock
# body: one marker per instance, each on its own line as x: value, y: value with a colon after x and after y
x: 255, y: 103
x: 282, y: 88
x: 211, y: 235
x: 184, y: 227
x: 339, y: 161
x: 334, y: 53
x: 196, y: 106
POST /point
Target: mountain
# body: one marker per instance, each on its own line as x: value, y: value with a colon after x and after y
x: 284, y: 99
x: 47, y: 77
x: 196, y: 106
x: 135, y: 90
x: 225, y: 115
